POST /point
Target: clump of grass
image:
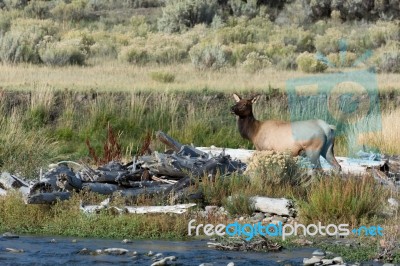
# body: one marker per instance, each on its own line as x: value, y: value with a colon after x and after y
x: 239, y: 204
x: 24, y: 151
x: 337, y: 200
x: 162, y: 77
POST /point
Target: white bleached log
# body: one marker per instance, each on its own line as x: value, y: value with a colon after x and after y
x: 3, y: 192
x: 279, y: 206
x: 179, y: 208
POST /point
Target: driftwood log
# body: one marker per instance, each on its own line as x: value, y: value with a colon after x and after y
x: 280, y: 206
x: 48, y: 198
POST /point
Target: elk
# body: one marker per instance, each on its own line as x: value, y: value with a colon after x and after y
x: 311, y: 138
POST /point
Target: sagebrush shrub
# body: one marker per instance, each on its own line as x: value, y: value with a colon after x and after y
x: 389, y: 62
x: 179, y: 15
x: 255, y: 62
x: 268, y: 168
x: 329, y: 41
x: 134, y: 55
x: 16, y: 47
x: 69, y: 52
x: 210, y: 56
x: 309, y: 63
x: 346, y: 59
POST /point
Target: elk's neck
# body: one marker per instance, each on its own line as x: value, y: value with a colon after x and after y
x: 248, y: 126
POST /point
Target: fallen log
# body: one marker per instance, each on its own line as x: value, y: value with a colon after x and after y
x: 3, y: 192
x: 101, y: 188
x: 9, y: 181
x: 280, y: 206
x: 48, y: 198
x: 133, y: 193
x: 178, y: 209
x: 170, y: 142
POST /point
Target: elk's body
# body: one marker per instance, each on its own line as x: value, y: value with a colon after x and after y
x: 311, y: 138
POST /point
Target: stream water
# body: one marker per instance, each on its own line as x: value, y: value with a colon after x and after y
x: 64, y: 251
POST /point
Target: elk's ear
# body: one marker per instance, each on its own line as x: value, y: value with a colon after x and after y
x: 255, y: 98
x: 236, y: 97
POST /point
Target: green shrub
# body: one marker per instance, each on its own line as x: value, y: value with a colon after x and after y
x: 209, y: 56
x: 346, y: 59
x: 240, y: 51
x: 244, y: 8
x: 383, y: 32
x: 106, y: 49
x: 134, y: 55
x: 329, y: 42
x: 74, y: 11
x: 162, y: 77
x: 5, y: 21
x: 255, y: 62
x: 301, y: 39
x: 21, y: 42
x: 39, y: 9
x: 179, y: 15
x: 14, y: 4
x: 390, y: 62
x: 16, y: 47
x: 270, y: 169
x: 68, y: 52
x: 309, y: 63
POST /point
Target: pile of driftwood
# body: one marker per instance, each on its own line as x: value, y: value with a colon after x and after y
x: 164, y: 174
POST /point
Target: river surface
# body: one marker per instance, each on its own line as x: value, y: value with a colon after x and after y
x: 42, y: 250
x: 64, y: 251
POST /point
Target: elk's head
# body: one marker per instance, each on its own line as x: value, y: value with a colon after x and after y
x: 243, y: 107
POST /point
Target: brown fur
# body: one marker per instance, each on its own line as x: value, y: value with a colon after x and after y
x: 312, y: 137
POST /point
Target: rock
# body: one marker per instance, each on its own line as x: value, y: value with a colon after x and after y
x: 157, y: 256
x: 303, y: 242
x: 126, y: 241
x: 164, y: 261
x: 311, y: 261
x: 115, y: 251
x: 211, y: 209
x: 327, y: 262
x: 206, y: 264
x: 73, y: 241
x: 319, y: 254
x: 150, y: 253
x: 53, y: 241
x: 241, y: 219
x: 338, y: 260
x: 9, y: 235
x: 393, y: 203
x: 257, y: 217
x: 13, y: 250
x: 230, y: 264
x: 279, y: 219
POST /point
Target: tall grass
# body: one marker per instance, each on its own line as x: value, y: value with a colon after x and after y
x: 352, y: 200
x: 385, y: 140
x: 46, y: 125
x: 65, y: 218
